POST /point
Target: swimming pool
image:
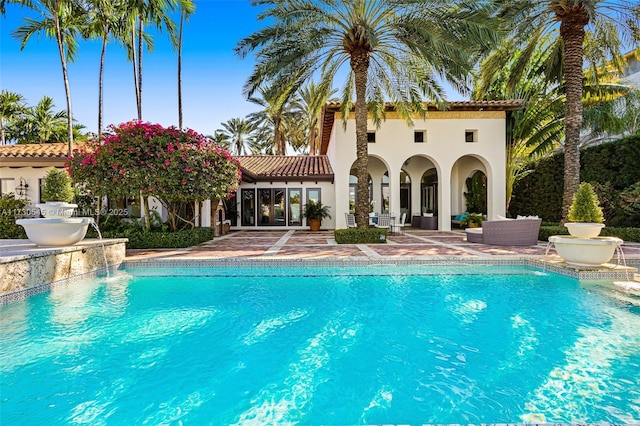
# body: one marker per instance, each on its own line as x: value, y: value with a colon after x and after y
x: 481, y: 344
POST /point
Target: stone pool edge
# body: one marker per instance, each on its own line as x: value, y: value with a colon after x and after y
x: 26, y: 269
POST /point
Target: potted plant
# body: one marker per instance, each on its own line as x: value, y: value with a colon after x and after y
x: 473, y: 220
x: 585, y: 215
x: 315, y: 212
x: 57, y: 192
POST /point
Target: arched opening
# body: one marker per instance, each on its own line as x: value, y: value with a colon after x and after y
x: 429, y: 192
x: 405, y: 195
x: 476, y: 193
x: 378, y: 187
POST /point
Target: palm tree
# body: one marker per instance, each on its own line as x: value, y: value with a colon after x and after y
x: 141, y: 13
x: 187, y: 8
x: 539, y: 128
x: 42, y: 123
x: 105, y: 21
x: 237, y: 129
x: 61, y: 20
x: 313, y: 96
x: 12, y: 107
x: 532, y: 20
x: 275, y: 117
x: 393, y: 49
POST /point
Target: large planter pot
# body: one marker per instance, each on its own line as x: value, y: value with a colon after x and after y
x: 585, y: 251
x: 53, y: 209
x: 584, y: 229
x: 314, y: 224
x: 55, y: 232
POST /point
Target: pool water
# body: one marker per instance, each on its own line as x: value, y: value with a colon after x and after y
x: 321, y: 346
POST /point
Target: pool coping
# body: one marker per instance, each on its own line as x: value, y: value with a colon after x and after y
x: 609, y: 272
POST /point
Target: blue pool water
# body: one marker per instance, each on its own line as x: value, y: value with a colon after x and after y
x: 321, y: 346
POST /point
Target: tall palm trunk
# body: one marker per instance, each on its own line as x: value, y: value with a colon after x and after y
x: 139, y: 97
x: 100, y: 82
x: 360, y: 66
x: 134, y: 63
x: 67, y: 89
x: 312, y: 141
x: 182, y: 15
x: 572, y: 33
x: 278, y: 137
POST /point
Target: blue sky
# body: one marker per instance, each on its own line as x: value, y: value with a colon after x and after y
x: 213, y: 76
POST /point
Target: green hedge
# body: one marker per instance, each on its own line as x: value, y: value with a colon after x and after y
x: 360, y: 236
x: 140, y: 239
x: 10, y: 210
x: 625, y: 234
x: 611, y: 167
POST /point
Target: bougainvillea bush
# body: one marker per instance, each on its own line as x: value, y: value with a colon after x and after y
x: 175, y: 166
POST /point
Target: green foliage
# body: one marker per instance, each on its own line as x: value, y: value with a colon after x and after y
x: 630, y: 200
x: 615, y: 163
x: 313, y: 210
x: 170, y: 164
x: 57, y: 186
x: 360, y: 235
x: 10, y: 210
x: 139, y: 238
x: 548, y: 230
x: 472, y: 218
x: 585, y: 206
x: 625, y: 233
x: 476, y: 198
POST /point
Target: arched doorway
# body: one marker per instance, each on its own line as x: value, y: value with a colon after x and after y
x: 429, y: 192
x: 405, y: 195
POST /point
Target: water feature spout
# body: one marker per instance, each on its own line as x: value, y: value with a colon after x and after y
x: 104, y: 254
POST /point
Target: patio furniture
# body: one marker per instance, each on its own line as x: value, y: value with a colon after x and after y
x: 509, y: 232
x: 429, y: 222
x: 384, y: 221
x: 416, y: 220
x: 457, y: 219
x: 398, y: 227
x: 351, y: 220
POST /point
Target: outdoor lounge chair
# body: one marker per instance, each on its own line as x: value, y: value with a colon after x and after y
x: 351, y: 220
x: 509, y: 232
x: 384, y: 221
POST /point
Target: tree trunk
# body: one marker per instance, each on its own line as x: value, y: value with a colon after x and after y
x: 67, y: 89
x: 140, y: 32
x: 182, y: 13
x: 147, y: 212
x: 2, y: 132
x: 572, y: 33
x: 100, y: 81
x: 277, y: 136
x: 312, y: 141
x: 360, y: 66
x: 134, y: 62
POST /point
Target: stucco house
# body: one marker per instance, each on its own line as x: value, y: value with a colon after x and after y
x: 414, y: 168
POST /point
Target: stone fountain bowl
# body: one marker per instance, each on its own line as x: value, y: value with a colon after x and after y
x: 589, y: 252
x: 56, y: 232
x: 56, y: 209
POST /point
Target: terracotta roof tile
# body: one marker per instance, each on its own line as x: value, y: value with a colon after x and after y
x: 285, y: 167
x: 502, y: 105
x: 34, y: 150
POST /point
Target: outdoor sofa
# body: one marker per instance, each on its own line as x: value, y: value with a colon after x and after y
x: 506, y: 232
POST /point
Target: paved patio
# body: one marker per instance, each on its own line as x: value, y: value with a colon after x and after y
x: 415, y: 243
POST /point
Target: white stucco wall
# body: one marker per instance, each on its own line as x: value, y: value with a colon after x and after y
x: 444, y: 148
x: 31, y: 176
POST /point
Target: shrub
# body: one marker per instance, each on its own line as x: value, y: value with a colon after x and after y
x: 585, y: 206
x: 625, y: 234
x: 360, y: 236
x: 57, y: 186
x: 140, y: 238
x: 10, y: 210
